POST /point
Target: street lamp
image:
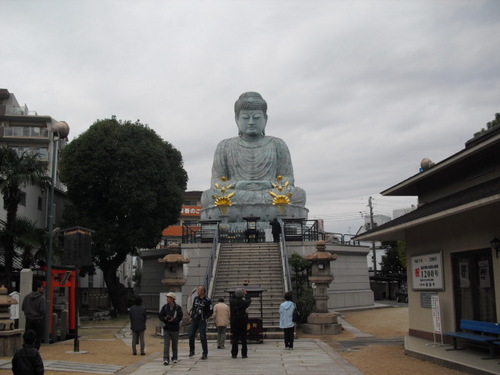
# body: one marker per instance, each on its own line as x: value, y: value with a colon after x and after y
x: 60, y: 130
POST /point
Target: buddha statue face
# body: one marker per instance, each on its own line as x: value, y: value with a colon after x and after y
x: 251, y: 123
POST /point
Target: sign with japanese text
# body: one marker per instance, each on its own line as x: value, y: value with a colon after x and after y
x: 436, y: 314
x: 427, y: 272
x: 190, y: 210
x: 77, y: 246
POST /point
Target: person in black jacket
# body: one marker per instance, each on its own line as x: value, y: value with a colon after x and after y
x: 27, y: 360
x: 200, y: 312
x: 171, y: 315
x: 276, y: 230
x: 34, y: 311
x: 138, y: 317
x: 239, y: 303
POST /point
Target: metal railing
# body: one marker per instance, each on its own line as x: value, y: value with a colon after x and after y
x: 287, y: 278
x: 302, y: 230
x: 191, y: 234
x: 292, y: 229
x: 346, y: 239
x: 212, y: 263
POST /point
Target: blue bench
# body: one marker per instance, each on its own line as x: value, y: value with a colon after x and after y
x: 473, y: 330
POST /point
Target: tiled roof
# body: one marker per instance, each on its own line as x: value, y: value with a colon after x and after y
x: 460, y: 198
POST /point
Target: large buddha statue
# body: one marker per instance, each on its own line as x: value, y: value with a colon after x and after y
x: 251, y: 170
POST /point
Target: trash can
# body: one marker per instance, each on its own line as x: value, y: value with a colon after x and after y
x: 255, y: 330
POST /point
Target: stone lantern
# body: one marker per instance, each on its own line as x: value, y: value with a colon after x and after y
x: 10, y: 338
x: 321, y: 322
x: 174, y: 271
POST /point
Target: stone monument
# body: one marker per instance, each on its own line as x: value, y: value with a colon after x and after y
x: 10, y: 337
x: 174, y: 277
x: 321, y: 322
x: 252, y: 174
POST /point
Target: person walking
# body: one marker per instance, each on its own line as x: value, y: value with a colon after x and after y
x: 201, y: 310
x: 286, y: 320
x: 221, y: 316
x: 27, y: 360
x: 239, y: 303
x: 276, y: 230
x: 34, y: 311
x: 138, y: 317
x: 171, y: 315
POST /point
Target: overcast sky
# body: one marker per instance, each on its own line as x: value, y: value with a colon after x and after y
x: 360, y: 91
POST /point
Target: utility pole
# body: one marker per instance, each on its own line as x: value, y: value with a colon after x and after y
x: 370, y: 204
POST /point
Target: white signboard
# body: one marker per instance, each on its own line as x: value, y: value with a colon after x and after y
x: 14, y: 308
x: 436, y: 313
x: 427, y: 272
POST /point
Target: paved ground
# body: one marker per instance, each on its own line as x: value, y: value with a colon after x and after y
x: 270, y: 357
x: 310, y: 356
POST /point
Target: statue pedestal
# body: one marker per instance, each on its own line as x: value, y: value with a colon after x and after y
x: 10, y: 341
x: 322, y: 324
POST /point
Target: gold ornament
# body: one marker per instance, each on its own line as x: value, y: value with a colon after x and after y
x: 223, y: 201
x: 281, y: 199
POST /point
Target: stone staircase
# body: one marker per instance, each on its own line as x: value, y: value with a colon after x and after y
x: 260, y: 264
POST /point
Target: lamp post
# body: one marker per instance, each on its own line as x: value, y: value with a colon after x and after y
x: 61, y: 131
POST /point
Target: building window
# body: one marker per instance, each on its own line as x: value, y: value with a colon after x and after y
x: 41, y: 151
x: 40, y: 203
x: 473, y: 286
x: 26, y: 131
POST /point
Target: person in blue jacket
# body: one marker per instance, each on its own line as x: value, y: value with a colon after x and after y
x: 286, y: 320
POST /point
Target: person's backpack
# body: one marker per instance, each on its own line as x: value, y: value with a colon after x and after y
x: 296, y: 315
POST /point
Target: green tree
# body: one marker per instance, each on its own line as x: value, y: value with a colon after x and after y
x: 127, y: 184
x: 302, y: 269
x: 17, y: 172
x: 394, y: 261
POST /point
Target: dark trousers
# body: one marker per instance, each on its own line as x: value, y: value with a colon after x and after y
x: 276, y: 237
x: 288, y: 333
x: 239, y: 333
x: 170, y: 336
x: 38, y: 327
x: 200, y: 325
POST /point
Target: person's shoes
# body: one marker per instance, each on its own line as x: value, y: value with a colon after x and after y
x: 218, y: 347
x: 204, y: 356
x: 134, y: 353
x: 175, y: 361
x: 143, y: 353
x: 191, y: 354
x: 233, y: 357
x: 165, y: 363
x: 244, y: 356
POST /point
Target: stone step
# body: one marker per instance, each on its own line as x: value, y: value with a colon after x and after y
x: 261, y: 265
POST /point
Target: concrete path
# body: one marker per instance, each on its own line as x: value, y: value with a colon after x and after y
x: 309, y: 356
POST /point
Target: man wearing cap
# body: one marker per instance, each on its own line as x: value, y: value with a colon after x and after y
x: 200, y: 312
x: 239, y: 303
x: 171, y: 315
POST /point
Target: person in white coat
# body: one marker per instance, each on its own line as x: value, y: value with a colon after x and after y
x: 286, y: 320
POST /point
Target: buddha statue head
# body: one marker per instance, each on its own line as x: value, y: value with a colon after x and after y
x: 251, y: 115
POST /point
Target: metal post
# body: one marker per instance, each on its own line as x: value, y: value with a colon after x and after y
x: 61, y: 130
x: 48, y: 276
x: 76, y: 343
